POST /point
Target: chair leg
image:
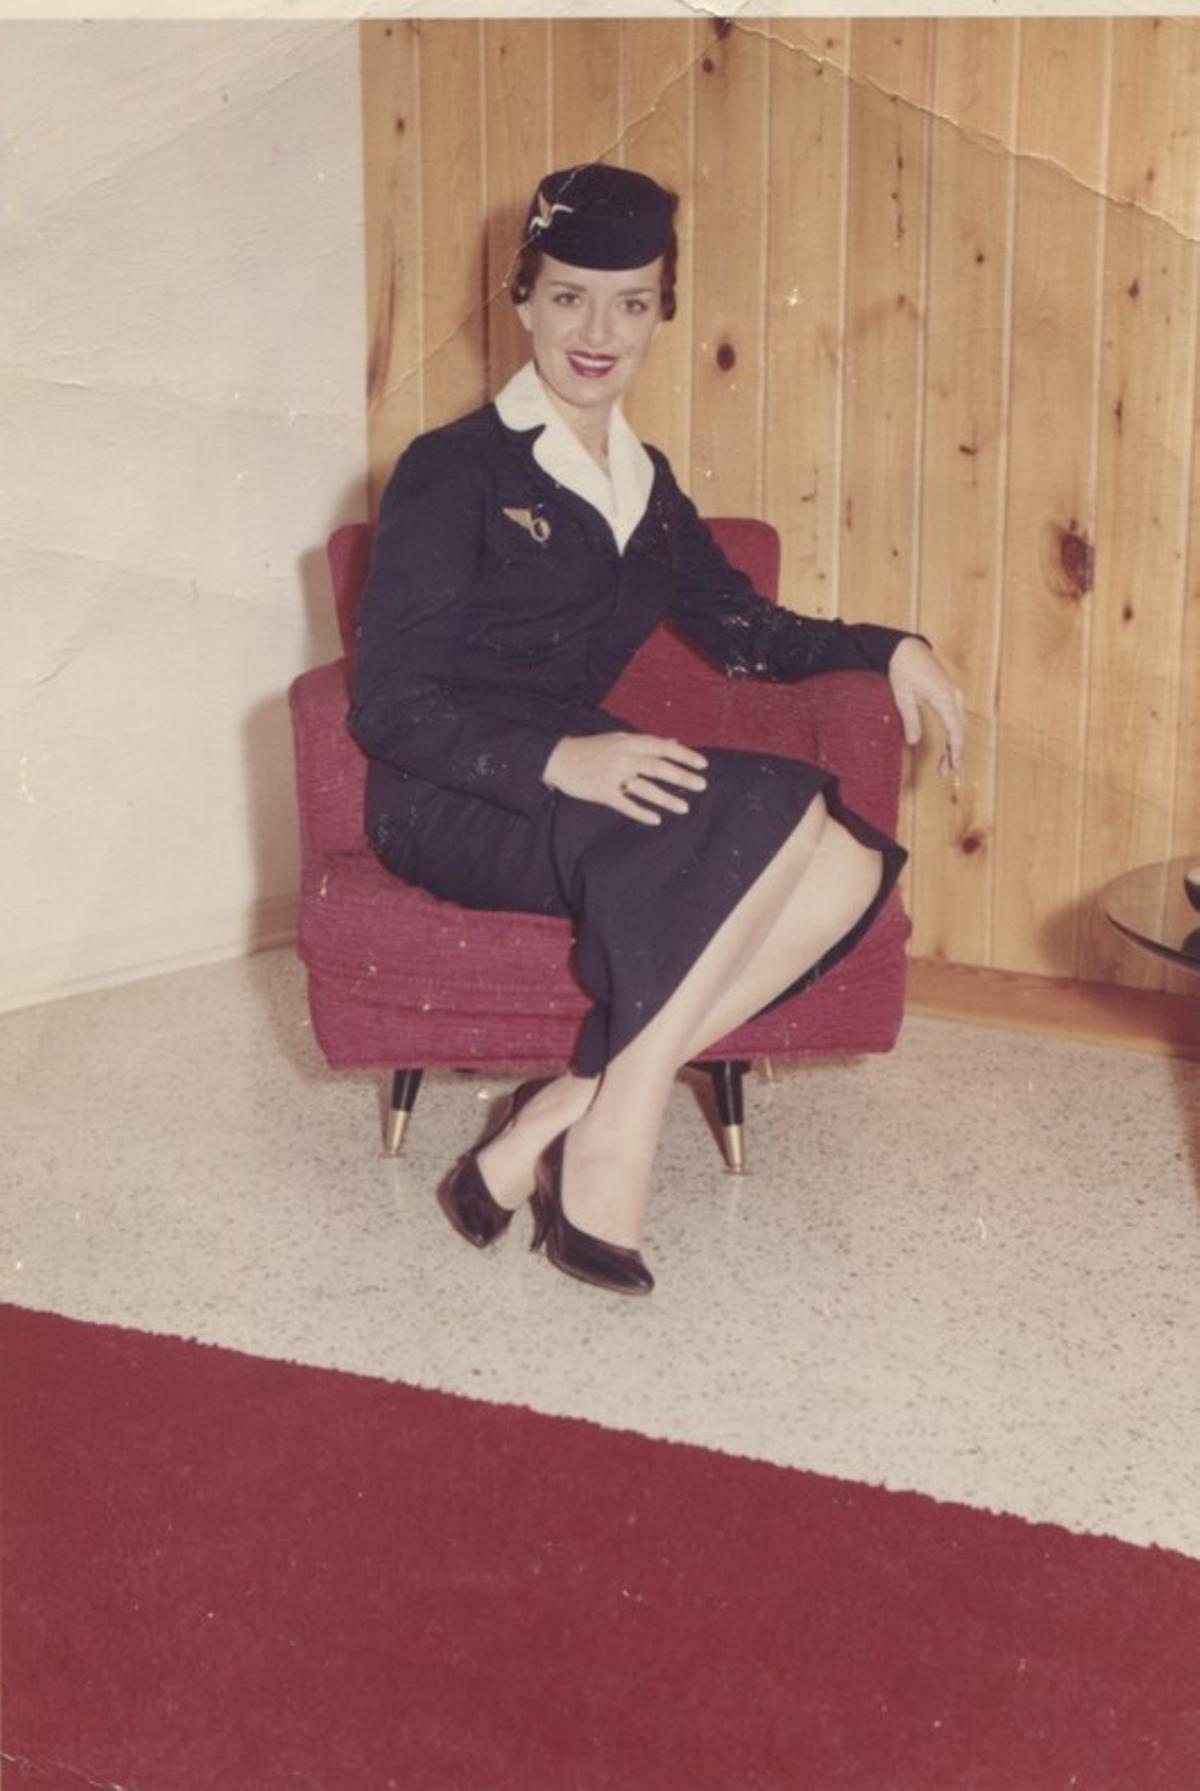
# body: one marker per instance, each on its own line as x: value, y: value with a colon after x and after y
x: 405, y: 1084
x: 727, y: 1085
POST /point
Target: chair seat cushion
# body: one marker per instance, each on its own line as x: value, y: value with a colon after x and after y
x: 393, y: 942
x: 382, y: 955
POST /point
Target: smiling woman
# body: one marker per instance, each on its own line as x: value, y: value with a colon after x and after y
x: 591, y: 331
x: 523, y: 554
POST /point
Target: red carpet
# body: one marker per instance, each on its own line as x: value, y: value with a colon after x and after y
x: 228, y: 1574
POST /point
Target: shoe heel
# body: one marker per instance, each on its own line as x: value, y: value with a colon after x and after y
x: 464, y: 1196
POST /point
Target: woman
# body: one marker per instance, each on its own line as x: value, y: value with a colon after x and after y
x: 522, y: 555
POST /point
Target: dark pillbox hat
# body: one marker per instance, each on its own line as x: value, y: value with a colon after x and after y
x: 596, y: 216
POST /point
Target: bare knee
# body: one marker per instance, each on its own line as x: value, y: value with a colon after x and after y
x: 854, y: 869
x: 830, y: 866
x: 810, y: 830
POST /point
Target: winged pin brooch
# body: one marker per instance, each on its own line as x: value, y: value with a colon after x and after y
x: 537, y: 526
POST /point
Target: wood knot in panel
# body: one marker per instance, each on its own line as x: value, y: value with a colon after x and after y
x: 971, y: 842
x: 726, y: 357
x: 1076, y: 561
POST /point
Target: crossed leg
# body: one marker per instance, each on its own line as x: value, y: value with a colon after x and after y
x: 811, y: 893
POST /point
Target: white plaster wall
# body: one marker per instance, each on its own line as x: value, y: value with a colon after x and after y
x: 181, y: 403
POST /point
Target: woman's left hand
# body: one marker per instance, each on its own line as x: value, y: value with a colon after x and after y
x: 917, y: 676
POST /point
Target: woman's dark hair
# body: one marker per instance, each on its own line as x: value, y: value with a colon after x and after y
x: 527, y: 265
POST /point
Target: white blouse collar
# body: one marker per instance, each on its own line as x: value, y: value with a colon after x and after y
x: 622, y: 494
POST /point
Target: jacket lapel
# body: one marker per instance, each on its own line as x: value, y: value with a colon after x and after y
x: 527, y: 486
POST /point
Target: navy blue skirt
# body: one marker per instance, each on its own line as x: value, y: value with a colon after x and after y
x: 645, y: 900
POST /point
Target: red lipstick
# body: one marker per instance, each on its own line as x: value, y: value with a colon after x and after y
x: 593, y: 366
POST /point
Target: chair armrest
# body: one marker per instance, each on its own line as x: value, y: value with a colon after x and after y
x: 845, y: 721
x: 330, y: 768
x: 859, y: 735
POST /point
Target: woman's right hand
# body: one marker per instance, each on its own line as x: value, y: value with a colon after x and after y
x: 626, y: 772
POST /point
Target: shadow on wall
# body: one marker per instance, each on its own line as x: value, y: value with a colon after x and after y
x: 506, y: 345
x: 271, y: 788
x: 1058, y: 936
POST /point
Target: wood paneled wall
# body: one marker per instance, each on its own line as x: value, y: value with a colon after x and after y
x: 940, y: 293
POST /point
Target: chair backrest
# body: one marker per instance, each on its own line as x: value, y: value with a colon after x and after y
x: 752, y: 546
x: 349, y: 553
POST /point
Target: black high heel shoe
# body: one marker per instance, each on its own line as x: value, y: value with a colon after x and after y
x: 465, y: 1197
x: 575, y: 1252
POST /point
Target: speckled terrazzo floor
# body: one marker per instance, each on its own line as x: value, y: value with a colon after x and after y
x: 971, y: 1268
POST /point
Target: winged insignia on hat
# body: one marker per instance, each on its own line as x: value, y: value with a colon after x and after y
x: 545, y: 213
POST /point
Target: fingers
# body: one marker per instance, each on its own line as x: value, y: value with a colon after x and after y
x: 910, y: 715
x: 677, y: 763
x: 948, y: 703
x: 948, y: 713
x: 667, y: 771
x: 951, y: 709
x: 655, y: 766
x: 644, y: 789
x: 626, y: 803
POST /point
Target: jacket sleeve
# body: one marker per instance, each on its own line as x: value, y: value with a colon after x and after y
x: 408, y: 706
x: 747, y: 635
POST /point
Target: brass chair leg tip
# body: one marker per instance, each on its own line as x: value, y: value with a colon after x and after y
x: 735, y: 1149
x: 393, y: 1137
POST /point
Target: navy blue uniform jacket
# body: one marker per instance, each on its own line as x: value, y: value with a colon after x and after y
x: 480, y: 646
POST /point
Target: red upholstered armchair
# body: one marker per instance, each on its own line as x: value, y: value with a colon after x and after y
x: 399, y: 978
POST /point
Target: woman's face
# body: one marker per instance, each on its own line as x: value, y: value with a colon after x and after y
x: 591, y: 328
